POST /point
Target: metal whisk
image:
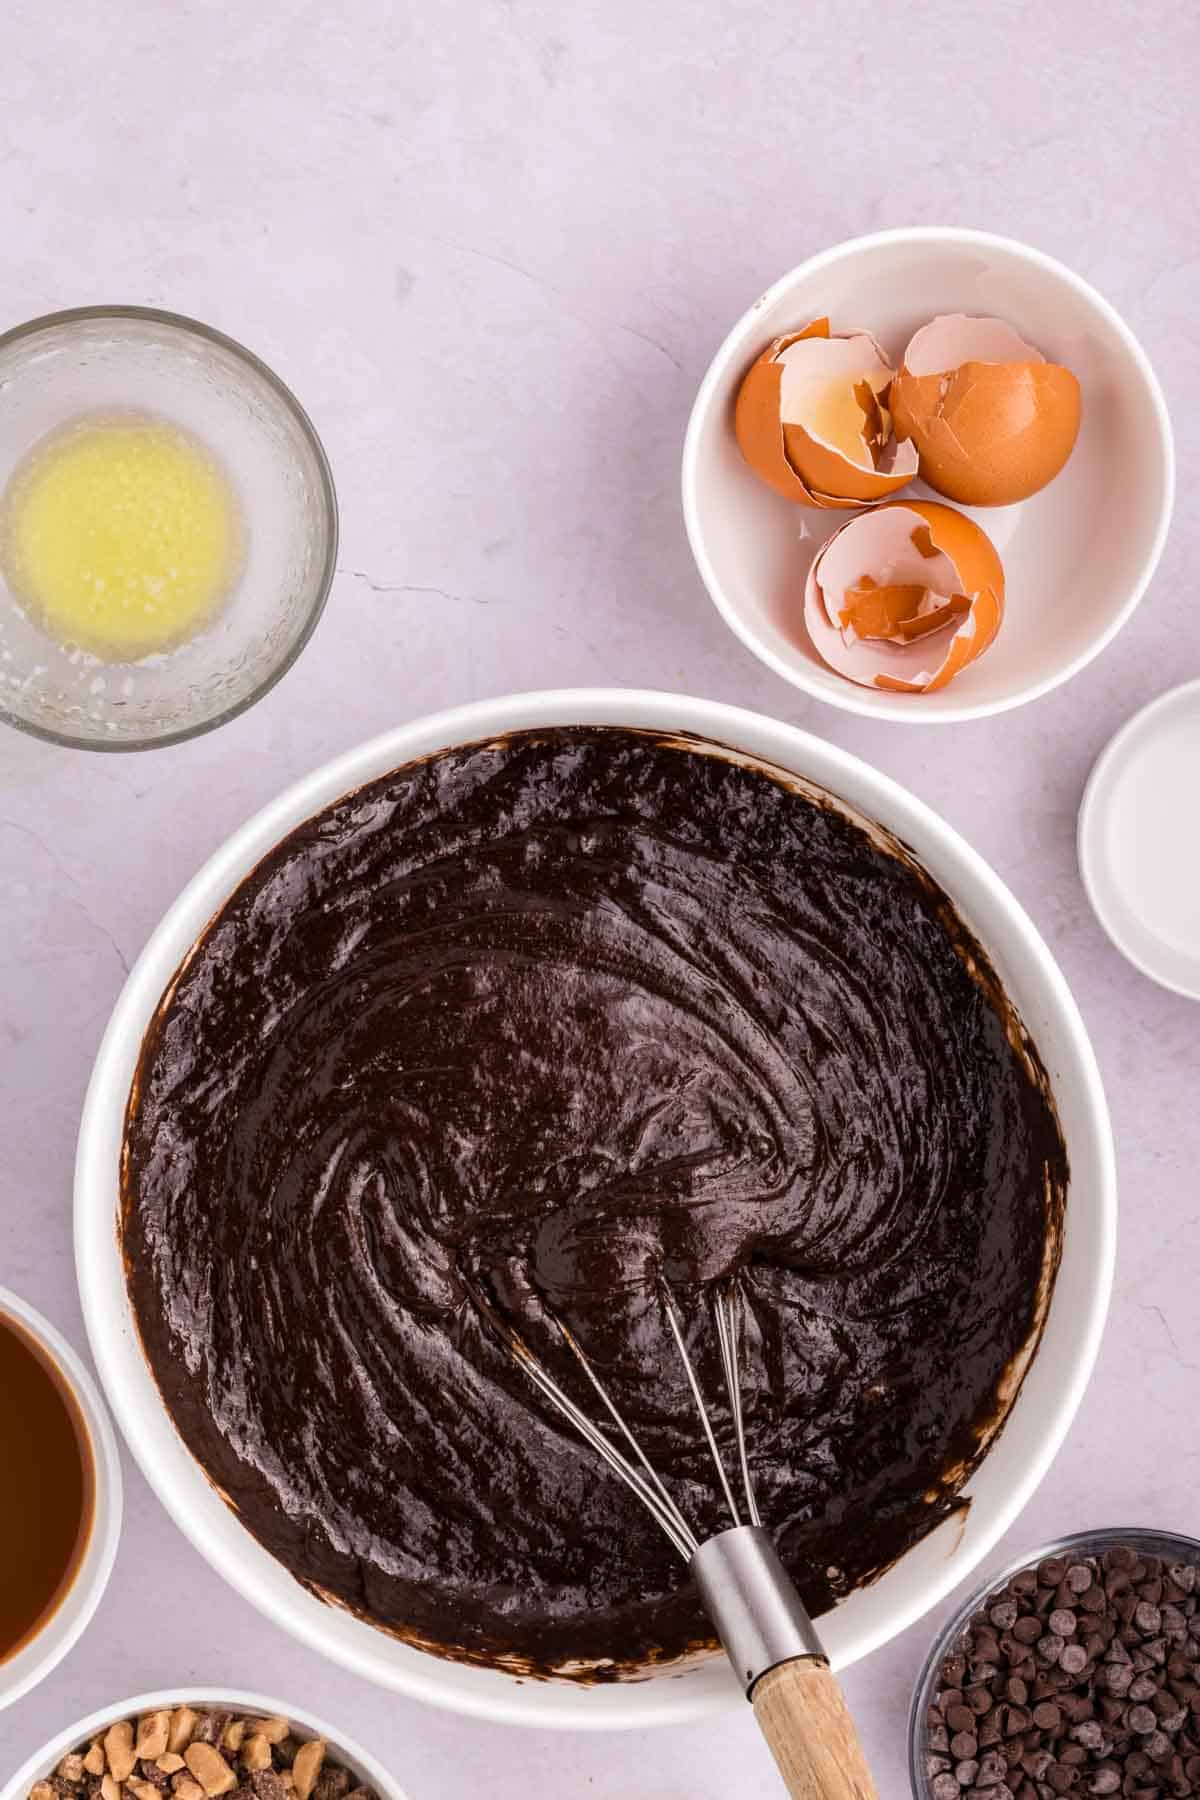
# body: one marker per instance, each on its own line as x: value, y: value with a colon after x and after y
x: 744, y: 1588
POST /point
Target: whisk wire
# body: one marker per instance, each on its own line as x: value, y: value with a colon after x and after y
x: 611, y: 1407
x: 727, y: 1337
x: 654, y: 1498
x: 644, y: 1481
x: 697, y: 1396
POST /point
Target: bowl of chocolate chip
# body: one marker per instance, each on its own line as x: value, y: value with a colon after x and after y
x: 1074, y: 1671
x: 201, y: 1744
x: 510, y: 1025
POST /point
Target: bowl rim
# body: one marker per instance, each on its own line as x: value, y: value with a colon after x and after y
x: 47, y: 1758
x: 939, y: 709
x: 1097, y: 796
x: 76, y: 315
x: 96, y: 1563
x: 1082, y: 1543
x: 123, y: 1370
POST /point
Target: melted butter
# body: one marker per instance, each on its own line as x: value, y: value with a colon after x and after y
x: 120, y: 535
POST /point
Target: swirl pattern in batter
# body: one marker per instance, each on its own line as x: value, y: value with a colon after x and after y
x: 533, y: 1027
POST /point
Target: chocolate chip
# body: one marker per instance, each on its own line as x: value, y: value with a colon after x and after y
x: 1076, y: 1676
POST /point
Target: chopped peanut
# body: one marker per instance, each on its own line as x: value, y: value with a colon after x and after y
x: 307, y: 1766
x: 210, y: 1769
x: 118, y: 1748
x: 153, y: 1731
x: 256, y: 1752
x: 274, y: 1730
x: 169, y: 1762
x: 183, y: 1723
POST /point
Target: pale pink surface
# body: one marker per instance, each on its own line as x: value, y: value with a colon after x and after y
x: 954, y: 338
x: 494, y: 251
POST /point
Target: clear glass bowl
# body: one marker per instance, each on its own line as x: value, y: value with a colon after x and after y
x: 1167, y: 1544
x: 120, y: 359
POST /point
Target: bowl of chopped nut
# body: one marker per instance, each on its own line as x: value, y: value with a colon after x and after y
x: 201, y: 1744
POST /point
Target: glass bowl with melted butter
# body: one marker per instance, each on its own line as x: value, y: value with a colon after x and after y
x: 168, y: 528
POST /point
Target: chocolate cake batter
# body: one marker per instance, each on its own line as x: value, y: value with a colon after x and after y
x: 537, y: 1026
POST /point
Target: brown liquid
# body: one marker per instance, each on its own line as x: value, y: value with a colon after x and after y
x: 47, y: 1487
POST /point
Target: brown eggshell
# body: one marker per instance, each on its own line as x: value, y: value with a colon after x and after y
x: 756, y: 419
x: 989, y: 432
x: 792, y: 459
x: 942, y: 588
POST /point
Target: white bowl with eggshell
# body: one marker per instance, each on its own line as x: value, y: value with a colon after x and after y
x: 1077, y: 556
x: 1016, y: 1458
x: 364, y: 1769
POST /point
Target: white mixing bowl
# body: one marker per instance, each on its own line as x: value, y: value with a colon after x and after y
x: 1014, y: 1464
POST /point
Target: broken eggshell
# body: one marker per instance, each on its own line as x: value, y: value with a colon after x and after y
x: 812, y: 419
x: 991, y: 419
x: 903, y: 598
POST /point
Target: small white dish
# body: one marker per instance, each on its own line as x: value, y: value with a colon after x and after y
x: 1077, y: 557
x: 305, y: 1725
x: 52, y: 1640
x: 1139, y: 839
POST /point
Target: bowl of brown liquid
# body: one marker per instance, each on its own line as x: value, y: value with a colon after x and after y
x: 60, y: 1498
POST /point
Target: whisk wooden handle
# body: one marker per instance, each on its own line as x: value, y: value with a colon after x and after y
x: 804, y: 1717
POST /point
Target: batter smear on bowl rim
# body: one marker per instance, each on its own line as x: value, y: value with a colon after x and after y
x: 533, y: 1027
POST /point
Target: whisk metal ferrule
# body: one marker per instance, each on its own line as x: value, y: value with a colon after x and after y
x: 750, y: 1598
